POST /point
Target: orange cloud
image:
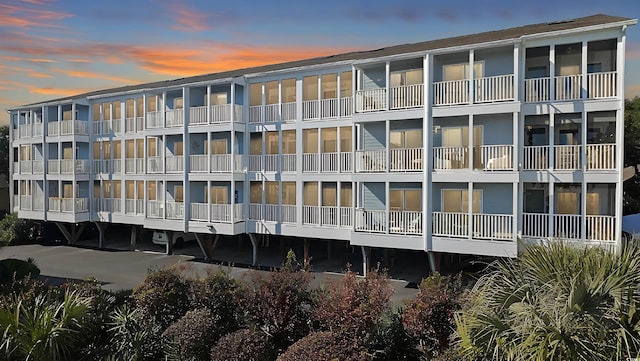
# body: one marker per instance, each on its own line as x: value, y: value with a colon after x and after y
x: 188, y: 19
x: 55, y: 91
x: 35, y: 74
x: 25, y: 17
x: 81, y: 61
x: 91, y: 75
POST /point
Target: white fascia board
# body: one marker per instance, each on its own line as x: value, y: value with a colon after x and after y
x: 300, y: 69
x: 44, y: 104
x: 619, y: 24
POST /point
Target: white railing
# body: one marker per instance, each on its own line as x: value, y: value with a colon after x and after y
x: 346, y: 106
x: 289, y: 111
x: 346, y: 162
x: 220, y: 213
x: 371, y: 160
x: 102, y: 127
x: 450, y: 224
x: 567, y: 157
x: 70, y: 205
x: 38, y: 129
x: 154, y: 120
x: 238, y: 163
x: 497, y: 157
x: 271, y: 162
x: 130, y: 206
x: 139, y: 206
x: 493, y: 226
x: 329, y: 162
x: 220, y: 163
x: 310, y: 109
x: 405, y: 159
x: 445, y: 158
x: 117, y: 165
x: 82, y: 166
x: 198, y: 163
x: 66, y: 166
x: 535, y: 225
x: 199, y: 211
x: 238, y: 212
x: 272, y: 212
x: 371, y: 100
x: 139, y: 124
x: 175, y: 164
x: 346, y: 217
x: 255, y: 163
x: 288, y: 163
x: 130, y: 125
x: 155, y: 209
x: 175, y: 210
x: 566, y: 226
x: 255, y: 211
x: 601, y: 228
x: 494, y: 88
x: 198, y: 115
x: 66, y: 127
x: 53, y: 128
x: 601, y: 156
x: 405, y: 222
x: 130, y: 165
x: 174, y: 117
x: 310, y: 162
x: 537, y: 90
x: 536, y: 157
x: 26, y: 166
x: 220, y: 113
x: 97, y: 166
x: 329, y: 108
x: 602, y: 85
x: 329, y: 216
x: 255, y: 114
x: 53, y: 166
x: 451, y: 92
x: 271, y: 113
x: 154, y: 165
x: 239, y: 113
x: 371, y: 221
x: 568, y: 87
x: 38, y: 166
x: 53, y: 204
x: 311, y: 215
x: 37, y: 203
x: 407, y: 96
x: 116, y: 125
x: 25, y: 130
x: 74, y: 127
x: 25, y: 203
x: 288, y: 213
x: 111, y: 205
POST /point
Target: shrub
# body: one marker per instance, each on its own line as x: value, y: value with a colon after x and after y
x: 191, y: 337
x: 279, y: 303
x: 430, y: 316
x: 163, y: 296
x: 14, y: 230
x: 133, y: 336
x: 325, y: 345
x: 354, y: 305
x: 17, y: 269
x: 218, y: 292
x: 390, y: 341
x: 244, y: 345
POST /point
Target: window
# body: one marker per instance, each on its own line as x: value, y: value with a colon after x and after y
x: 255, y: 192
x: 151, y: 191
x: 537, y: 72
x: 272, y: 142
x: 255, y: 94
x: 130, y: 189
x: 178, y: 193
x: 329, y: 86
x: 271, y: 90
x: 129, y: 107
x: 536, y: 136
x: 567, y: 202
x: 401, y: 200
x: 345, y: 84
x: 178, y: 148
x: 289, y: 193
x: 289, y: 142
x: 310, y: 140
x: 407, y: 77
x: 151, y: 104
x: 116, y: 110
x: 178, y: 103
x: 594, y: 68
x: 255, y: 144
x: 106, y: 111
x: 272, y: 191
x: 310, y: 193
x: 329, y: 194
x: 461, y: 71
x: 405, y: 138
x: 346, y: 195
x: 218, y: 146
x: 329, y: 136
x: 152, y: 147
x: 310, y: 88
x: 218, y: 98
x: 95, y: 112
x: 219, y: 195
x: 139, y: 107
x: 288, y: 90
x: 345, y: 139
x: 140, y: 185
x: 459, y: 136
x: 457, y: 200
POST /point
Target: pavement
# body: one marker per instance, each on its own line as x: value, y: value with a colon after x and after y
x: 119, y: 268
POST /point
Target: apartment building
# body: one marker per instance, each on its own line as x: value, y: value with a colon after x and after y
x: 477, y: 144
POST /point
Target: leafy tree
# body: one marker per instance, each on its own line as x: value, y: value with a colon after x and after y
x: 556, y: 302
x: 631, y: 190
x: 14, y: 229
x: 325, y: 345
x: 218, y: 292
x: 134, y: 337
x: 430, y: 316
x: 244, y: 345
x: 163, y: 296
x: 4, y: 150
x: 191, y: 337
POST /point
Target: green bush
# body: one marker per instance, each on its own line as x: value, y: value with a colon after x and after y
x: 17, y: 269
x: 133, y: 336
x: 14, y: 230
x: 218, y: 293
x: 325, y: 346
x: 244, y: 345
x: 391, y: 341
x: 191, y: 337
x: 163, y: 296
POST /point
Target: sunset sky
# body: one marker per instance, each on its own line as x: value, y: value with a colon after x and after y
x: 50, y: 48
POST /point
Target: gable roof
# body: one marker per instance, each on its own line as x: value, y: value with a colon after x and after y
x: 489, y: 36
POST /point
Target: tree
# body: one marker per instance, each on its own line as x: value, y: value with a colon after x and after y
x: 4, y: 150
x: 631, y: 187
x: 556, y: 302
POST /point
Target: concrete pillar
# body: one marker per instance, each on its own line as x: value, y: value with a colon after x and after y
x: 254, y: 244
x: 307, y: 257
x: 366, y: 259
x: 169, y: 234
x: 134, y: 237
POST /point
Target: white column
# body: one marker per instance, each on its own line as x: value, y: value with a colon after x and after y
x: 163, y: 108
x: 471, y: 77
x: 470, y: 208
x: 339, y: 94
x: 427, y: 158
x: 387, y: 201
x: 552, y: 206
x: 387, y: 145
x: 552, y: 141
x: 517, y: 82
x: 552, y: 72
x: 471, y: 144
x: 355, y: 83
x: 207, y: 102
x: 620, y: 67
x: 387, y: 77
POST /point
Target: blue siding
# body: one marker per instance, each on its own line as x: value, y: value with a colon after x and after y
x: 197, y: 192
x: 197, y: 97
x: 374, y: 135
x: 373, y: 78
x: 405, y: 124
x: 496, y: 128
x: 373, y: 196
x: 496, y: 198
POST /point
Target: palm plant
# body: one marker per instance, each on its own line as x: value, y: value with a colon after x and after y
x: 45, y: 329
x: 556, y: 302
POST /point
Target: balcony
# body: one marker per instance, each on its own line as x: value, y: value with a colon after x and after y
x: 174, y: 164
x: 108, y: 205
x: 601, y: 156
x: 26, y: 166
x: 154, y: 120
x: 155, y: 209
x: 216, y: 163
x: 371, y: 160
x: 486, y: 158
x: 175, y: 210
x: 71, y: 166
x: 569, y: 87
x: 174, y: 118
x: 289, y: 111
x: 451, y: 92
x: 600, y: 228
x: 536, y: 157
x: 327, y: 216
x: 371, y: 100
x: 154, y: 165
x: 484, y: 226
x: 567, y: 157
x: 134, y: 206
x: 216, y: 213
x: 332, y: 162
x: 134, y: 165
x: 264, y: 212
x: 217, y: 114
x: 68, y: 205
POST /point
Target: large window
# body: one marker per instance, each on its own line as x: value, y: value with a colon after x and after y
x: 411, y: 138
x: 272, y: 143
x: 329, y: 86
x: 272, y: 191
x: 329, y: 138
x: 329, y: 194
x: 401, y: 200
x: 288, y: 90
x: 218, y: 98
x: 457, y: 200
x: 255, y: 192
x: 129, y: 108
x: 271, y: 90
x: 346, y: 84
x: 310, y: 87
x: 461, y: 71
x: 255, y: 144
x: 219, y: 195
x: 459, y: 136
x: 289, y: 193
x: 255, y: 94
x: 310, y: 140
x: 345, y: 139
x: 289, y: 142
x: 407, y: 77
x: 346, y: 195
x: 218, y: 146
x: 310, y: 193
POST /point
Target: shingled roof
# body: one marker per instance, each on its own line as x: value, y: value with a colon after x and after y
x: 497, y: 35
